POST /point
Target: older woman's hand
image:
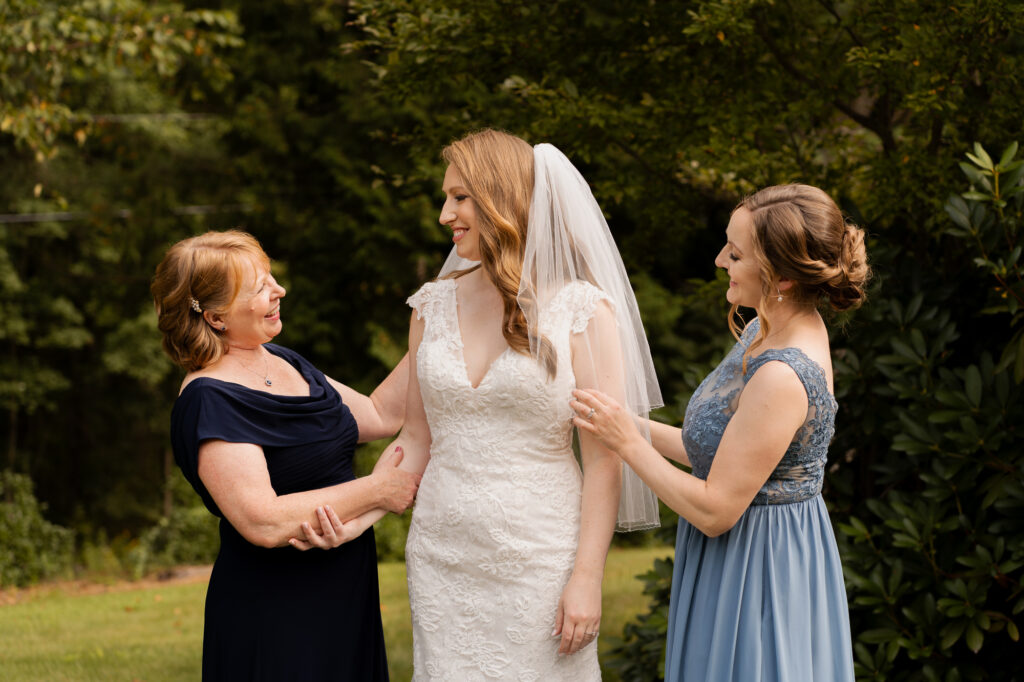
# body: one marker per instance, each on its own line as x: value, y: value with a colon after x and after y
x: 397, y: 486
x: 600, y: 415
x: 335, y: 532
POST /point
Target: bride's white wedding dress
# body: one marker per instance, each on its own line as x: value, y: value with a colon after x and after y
x: 496, y: 522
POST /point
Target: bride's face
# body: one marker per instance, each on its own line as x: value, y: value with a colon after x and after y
x: 459, y: 213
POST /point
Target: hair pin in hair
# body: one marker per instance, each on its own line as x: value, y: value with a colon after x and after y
x: 195, y: 305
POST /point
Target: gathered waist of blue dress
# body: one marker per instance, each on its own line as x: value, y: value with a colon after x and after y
x: 792, y: 484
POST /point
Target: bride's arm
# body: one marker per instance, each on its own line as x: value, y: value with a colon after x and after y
x: 413, y: 442
x: 597, y: 362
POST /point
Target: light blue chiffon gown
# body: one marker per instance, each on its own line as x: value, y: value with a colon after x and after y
x: 765, y: 601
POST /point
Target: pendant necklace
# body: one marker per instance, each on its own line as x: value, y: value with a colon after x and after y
x: 265, y: 376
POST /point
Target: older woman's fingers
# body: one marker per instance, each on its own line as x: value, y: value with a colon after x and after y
x: 299, y: 544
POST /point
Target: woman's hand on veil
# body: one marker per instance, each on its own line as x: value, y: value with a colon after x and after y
x: 579, y: 614
x: 602, y: 416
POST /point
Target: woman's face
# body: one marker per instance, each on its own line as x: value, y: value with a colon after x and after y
x: 459, y: 213
x: 255, y: 316
x: 737, y: 259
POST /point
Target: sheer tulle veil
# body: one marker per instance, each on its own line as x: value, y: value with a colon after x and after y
x: 568, y: 240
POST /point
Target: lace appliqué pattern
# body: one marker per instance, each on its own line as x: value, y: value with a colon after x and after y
x: 494, y: 530
x: 799, y: 474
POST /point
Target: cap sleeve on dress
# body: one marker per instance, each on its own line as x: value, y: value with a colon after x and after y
x: 201, y: 413
x: 435, y: 304
x: 426, y: 299
x: 583, y: 298
x: 206, y: 411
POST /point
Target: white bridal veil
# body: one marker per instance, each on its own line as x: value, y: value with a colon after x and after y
x: 568, y: 240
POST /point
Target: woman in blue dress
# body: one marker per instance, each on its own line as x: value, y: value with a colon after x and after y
x: 757, y: 591
x: 264, y: 437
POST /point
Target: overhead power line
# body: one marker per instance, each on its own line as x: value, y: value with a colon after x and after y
x: 66, y: 216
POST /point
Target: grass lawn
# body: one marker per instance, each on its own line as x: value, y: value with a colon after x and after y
x: 153, y: 631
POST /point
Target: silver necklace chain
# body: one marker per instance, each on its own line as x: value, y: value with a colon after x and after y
x: 265, y: 376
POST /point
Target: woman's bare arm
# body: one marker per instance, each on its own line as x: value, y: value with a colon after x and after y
x: 381, y: 413
x: 772, y: 407
x: 237, y: 478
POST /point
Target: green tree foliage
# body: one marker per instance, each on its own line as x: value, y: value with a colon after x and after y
x: 935, y: 564
x: 31, y: 547
x: 95, y: 114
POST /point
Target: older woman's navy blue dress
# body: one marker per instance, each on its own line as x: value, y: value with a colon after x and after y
x: 282, y: 614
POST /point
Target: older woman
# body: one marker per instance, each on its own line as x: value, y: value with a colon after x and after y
x: 264, y: 437
x: 757, y: 593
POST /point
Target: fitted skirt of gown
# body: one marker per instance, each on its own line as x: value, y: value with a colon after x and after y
x: 764, y: 602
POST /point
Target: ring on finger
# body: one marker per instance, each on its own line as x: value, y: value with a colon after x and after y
x: 590, y: 414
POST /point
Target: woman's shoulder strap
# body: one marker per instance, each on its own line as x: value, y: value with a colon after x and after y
x: 810, y: 373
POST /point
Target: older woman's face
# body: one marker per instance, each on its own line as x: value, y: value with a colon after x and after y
x: 255, y: 316
x: 737, y: 258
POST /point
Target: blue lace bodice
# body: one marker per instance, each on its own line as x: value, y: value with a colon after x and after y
x: 800, y: 472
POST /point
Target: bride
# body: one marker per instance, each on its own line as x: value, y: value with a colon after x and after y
x: 508, y: 540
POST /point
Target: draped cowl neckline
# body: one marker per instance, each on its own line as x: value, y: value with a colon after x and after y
x: 213, y: 409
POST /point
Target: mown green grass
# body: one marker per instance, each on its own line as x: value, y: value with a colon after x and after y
x: 155, y: 633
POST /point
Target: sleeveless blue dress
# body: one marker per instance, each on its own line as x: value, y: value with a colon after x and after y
x: 765, y: 601
x: 282, y: 614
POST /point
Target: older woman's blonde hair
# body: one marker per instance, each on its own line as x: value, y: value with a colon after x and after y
x: 205, y: 272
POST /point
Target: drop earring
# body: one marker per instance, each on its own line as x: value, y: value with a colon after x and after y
x: 779, y: 299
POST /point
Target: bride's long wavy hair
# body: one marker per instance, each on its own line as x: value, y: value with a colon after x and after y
x: 497, y: 171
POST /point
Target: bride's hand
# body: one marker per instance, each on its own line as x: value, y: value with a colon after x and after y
x: 601, y: 416
x: 335, y: 532
x: 579, y: 614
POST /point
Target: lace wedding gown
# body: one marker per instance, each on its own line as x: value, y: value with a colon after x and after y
x: 495, y: 526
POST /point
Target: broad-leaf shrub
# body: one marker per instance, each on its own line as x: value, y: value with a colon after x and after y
x: 31, y: 548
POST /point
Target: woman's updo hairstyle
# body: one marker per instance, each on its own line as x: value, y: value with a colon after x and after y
x: 800, y: 234
x: 198, y: 274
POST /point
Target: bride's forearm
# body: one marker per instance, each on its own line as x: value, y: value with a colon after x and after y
x: 599, y: 507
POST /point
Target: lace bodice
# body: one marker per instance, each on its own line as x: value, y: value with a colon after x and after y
x: 800, y: 473
x: 495, y: 526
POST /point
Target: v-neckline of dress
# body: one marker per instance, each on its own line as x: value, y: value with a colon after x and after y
x: 462, y: 343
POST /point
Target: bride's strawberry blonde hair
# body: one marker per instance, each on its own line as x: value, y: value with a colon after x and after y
x: 497, y: 170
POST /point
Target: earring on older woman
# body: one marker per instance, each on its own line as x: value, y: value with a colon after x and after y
x: 779, y: 299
